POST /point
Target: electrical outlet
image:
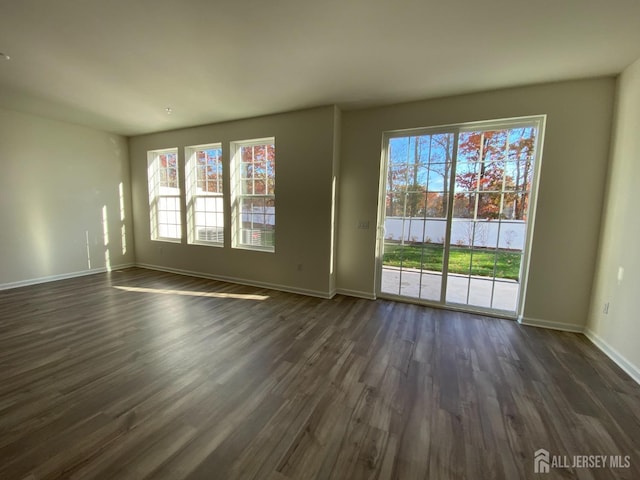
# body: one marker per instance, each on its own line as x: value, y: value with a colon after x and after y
x: 363, y: 224
x: 605, y: 309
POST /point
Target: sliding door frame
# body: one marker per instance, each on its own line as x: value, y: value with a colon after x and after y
x: 537, y: 121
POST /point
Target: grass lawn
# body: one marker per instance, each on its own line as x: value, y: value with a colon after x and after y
x: 429, y: 257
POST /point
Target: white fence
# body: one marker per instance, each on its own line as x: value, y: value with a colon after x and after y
x: 508, y: 234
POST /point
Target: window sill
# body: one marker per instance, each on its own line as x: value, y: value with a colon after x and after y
x: 207, y: 244
x: 255, y: 249
x: 167, y: 240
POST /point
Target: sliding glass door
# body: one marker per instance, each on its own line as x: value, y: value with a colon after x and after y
x: 456, y: 213
x: 418, y: 183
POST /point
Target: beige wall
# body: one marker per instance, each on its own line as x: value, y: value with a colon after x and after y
x: 570, y: 196
x: 618, y: 331
x: 304, y: 171
x: 59, y: 176
x: 56, y: 178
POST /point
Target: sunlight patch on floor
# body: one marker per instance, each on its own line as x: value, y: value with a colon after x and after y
x: 191, y: 293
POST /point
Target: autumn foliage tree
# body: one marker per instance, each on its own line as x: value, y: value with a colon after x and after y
x: 258, y: 168
x: 492, y: 177
x: 495, y: 161
x: 209, y: 170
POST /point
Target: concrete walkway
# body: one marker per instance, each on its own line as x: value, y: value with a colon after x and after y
x: 426, y: 285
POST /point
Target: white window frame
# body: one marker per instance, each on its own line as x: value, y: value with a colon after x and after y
x: 193, y: 196
x: 156, y: 195
x: 237, y: 197
x: 537, y: 121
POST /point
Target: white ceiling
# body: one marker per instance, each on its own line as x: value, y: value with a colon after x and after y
x: 116, y: 65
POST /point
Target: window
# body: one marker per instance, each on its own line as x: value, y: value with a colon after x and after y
x: 205, y: 203
x: 164, y: 195
x: 253, y: 196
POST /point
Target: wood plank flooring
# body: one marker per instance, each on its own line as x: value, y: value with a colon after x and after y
x: 139, y: 374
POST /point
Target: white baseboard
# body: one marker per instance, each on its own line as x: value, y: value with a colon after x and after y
x: 537, y: 322
x: 241, y: 281
x: 355, y: 293
x: 63, y: 276
x: 599, y: 342
x: 613, y: 354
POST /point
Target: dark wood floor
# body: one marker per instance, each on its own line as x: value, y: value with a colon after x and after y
x: 139, y: 374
